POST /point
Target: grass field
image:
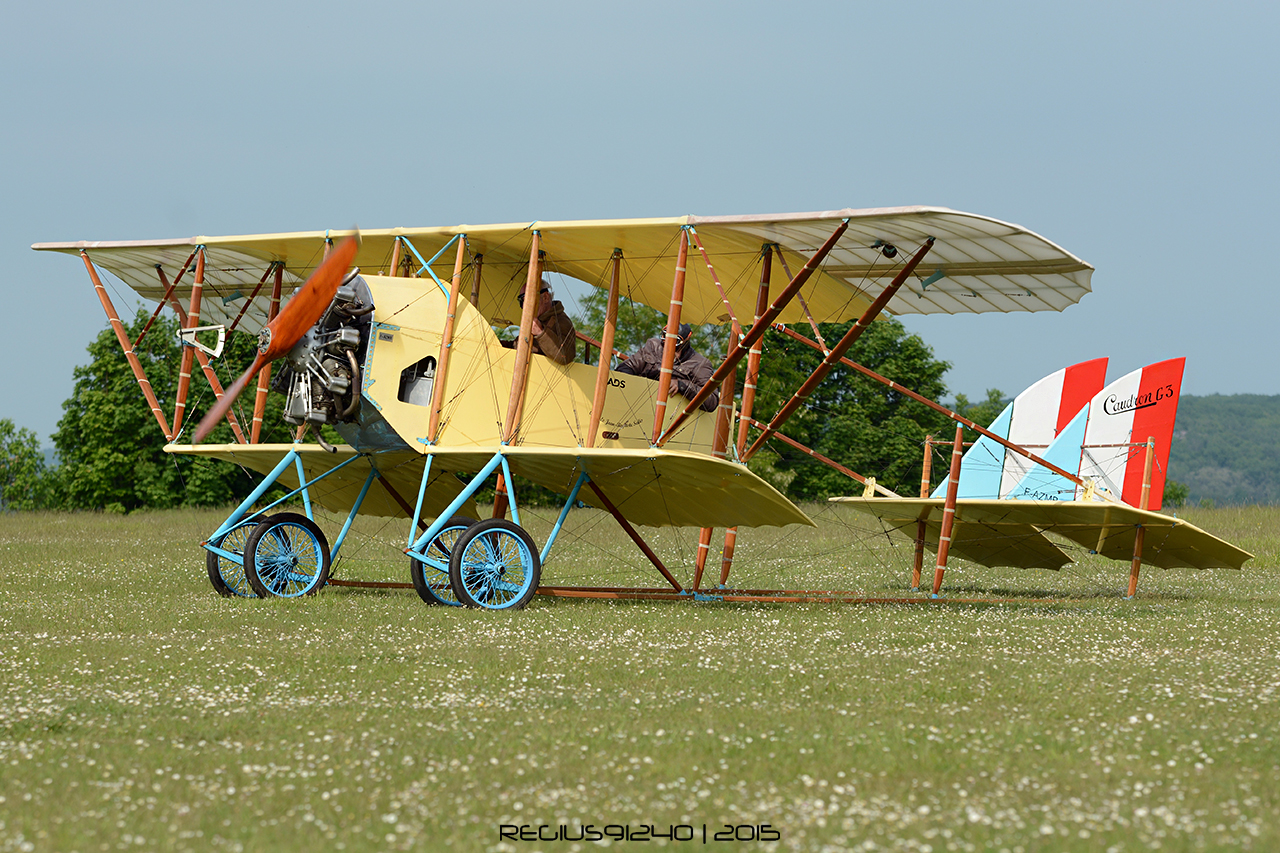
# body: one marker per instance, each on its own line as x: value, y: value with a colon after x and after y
x: 139, y: 710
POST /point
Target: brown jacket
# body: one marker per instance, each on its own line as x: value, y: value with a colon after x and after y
x: 557, y: 341
x: 689, y: 373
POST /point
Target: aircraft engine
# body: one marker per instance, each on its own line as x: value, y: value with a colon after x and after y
x: 322, y: 380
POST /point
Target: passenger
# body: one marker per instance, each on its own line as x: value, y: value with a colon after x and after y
x: 553, y: 332
x: 689, y: 373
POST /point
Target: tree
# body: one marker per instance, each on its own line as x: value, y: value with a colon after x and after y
x: 1175, y: 494
x: 23, y: 479
x: 851, y: 418
x: 638, y: 322
x: 110, y: 446
x: 982, y: 413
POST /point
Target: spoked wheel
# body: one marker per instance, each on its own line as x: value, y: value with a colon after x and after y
x: 495, y: 566
x: 431, y: 579
x: 286, y: 556
x: 227, y: 576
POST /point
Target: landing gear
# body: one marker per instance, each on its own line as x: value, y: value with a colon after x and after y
x: 495, y: 566
x: 227, y: 575
x: 286, y: 556
x: 431, y: 579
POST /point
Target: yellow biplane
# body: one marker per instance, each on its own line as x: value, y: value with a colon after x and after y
x: 406, y: 366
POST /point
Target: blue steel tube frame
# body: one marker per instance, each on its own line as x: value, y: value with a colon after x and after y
x: 415, y: 550
x: 564, y: 513
x: 351, y: 516
x: 427, y: 264
x: 239, y: 512
x: 417, y: 510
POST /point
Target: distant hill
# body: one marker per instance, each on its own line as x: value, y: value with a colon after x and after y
x: 1227, y: 448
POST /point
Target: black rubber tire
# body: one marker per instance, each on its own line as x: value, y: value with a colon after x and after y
x: 495, y: 566
x: 286, y: 556
x: 432, y: 581
x: 227, y: 577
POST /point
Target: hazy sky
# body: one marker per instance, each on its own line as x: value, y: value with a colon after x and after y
x: 1140, y: 137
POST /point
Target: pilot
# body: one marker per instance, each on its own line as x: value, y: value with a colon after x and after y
x: 553, y: 332
x: 689, y: 373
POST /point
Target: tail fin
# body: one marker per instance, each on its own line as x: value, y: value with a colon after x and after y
x: 1103, y: 443
x: 1130, y: 410
x: 1033, y: 420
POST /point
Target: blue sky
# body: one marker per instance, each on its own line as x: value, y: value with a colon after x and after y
x: 1140, y: 137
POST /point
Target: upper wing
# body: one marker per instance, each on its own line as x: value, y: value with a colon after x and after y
x: 652, y: 487
x: 978, y: 264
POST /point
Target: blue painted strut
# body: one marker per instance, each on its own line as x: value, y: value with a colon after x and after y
x: 355, y: 508
x: 465, y: 495
x: 257, y: 493
x: 417, y: 510
x: 270, y: 480
x: 511, y: 494
x: 564, y: 513
x: 306, y: 496
x: 427, y: 264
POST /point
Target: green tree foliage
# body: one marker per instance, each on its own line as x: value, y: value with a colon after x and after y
x: 1175, y: 493
x: 110, y: 446
x: 850, y: 418
x: 984, y: 412
x: 1226, y: 449
x: 638, y: 322
x: 23, y: 479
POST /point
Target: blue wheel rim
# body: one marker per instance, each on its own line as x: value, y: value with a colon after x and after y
x: 496, y: 569
x: 435, y: 571
x: 288, y: 560
x: 232, y: 573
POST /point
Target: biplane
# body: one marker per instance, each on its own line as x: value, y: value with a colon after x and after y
x: 400, y: 356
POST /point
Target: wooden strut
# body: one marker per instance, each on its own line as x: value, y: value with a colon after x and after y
x: 765, y: 596
x: 252, y: 296
x: 399, y: 499
x: 724, y: 411
x: 672, y: 335
x: 524, y: 347
x: 848, y: 472
x: 193, y: 320
x: 813, y: 324
x: 719, y: 449
x: 123, y: 337
x: 923, y: 524
x: 635, y: 537
x: 959, y: 419
x: 395, y: 258
x: 164, y: 300
x: 749, y: 392
x: 446, y: 342
x: 1139, y: 534
x: 949, y: 510
x: 264, y: 375
x: 802, y: 393
x: 475, y: 281
x: 742, y: 347
x: 205, y: 366
x: 606, y: 347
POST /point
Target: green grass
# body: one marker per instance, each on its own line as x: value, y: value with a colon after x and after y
x: 140, y: 710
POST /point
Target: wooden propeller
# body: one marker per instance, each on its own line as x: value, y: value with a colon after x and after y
x: 281, y: 334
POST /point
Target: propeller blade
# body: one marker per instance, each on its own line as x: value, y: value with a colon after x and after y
x: 310, y: 302
x: 219, y: 410
x: 299, y: 315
